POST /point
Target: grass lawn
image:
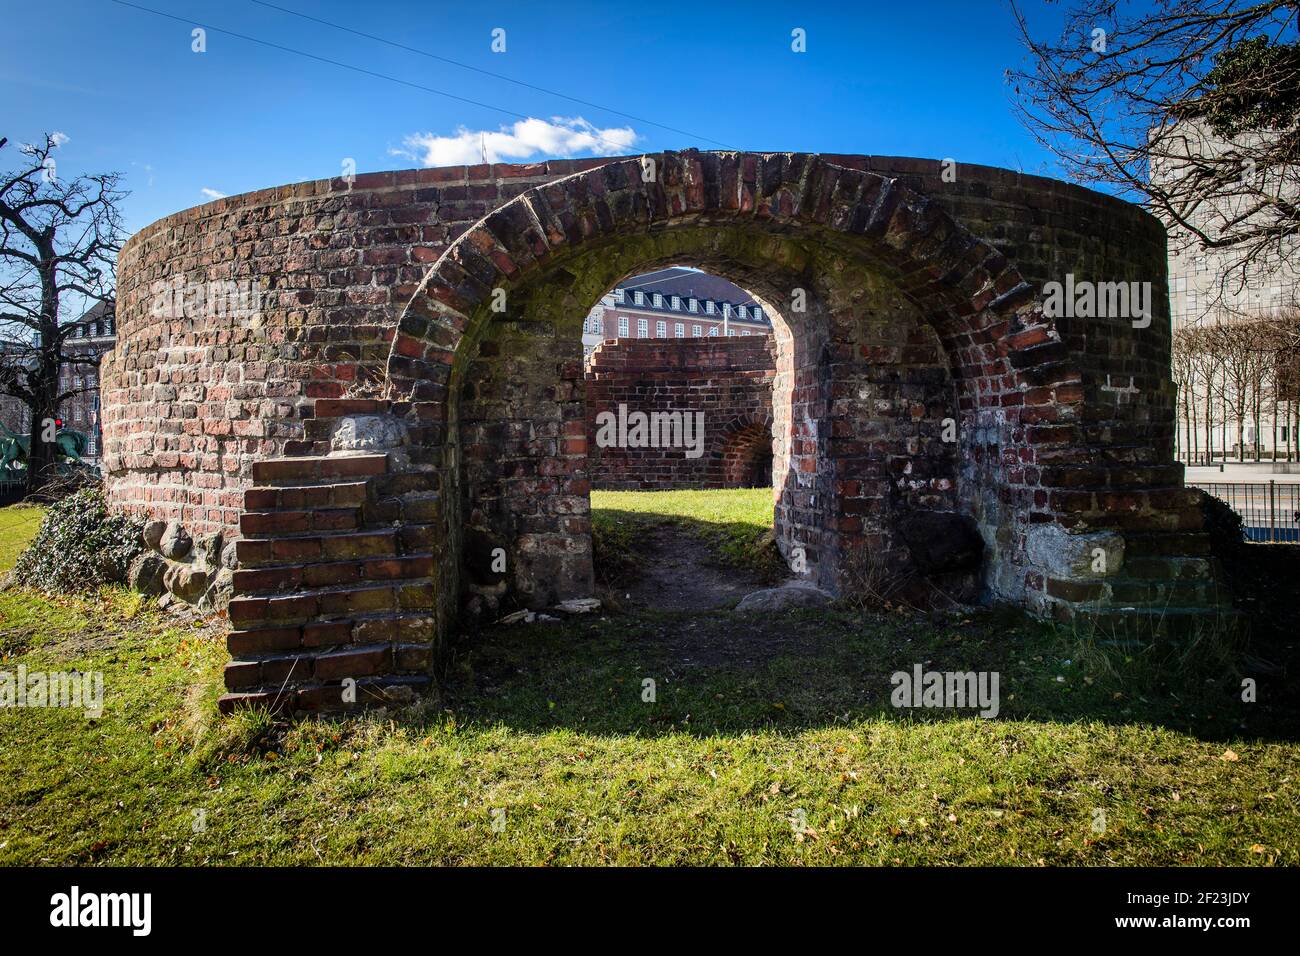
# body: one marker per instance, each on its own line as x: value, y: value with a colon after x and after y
x: 769, y: 740
x: 736, y: 523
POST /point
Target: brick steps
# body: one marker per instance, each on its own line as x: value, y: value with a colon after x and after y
x: 310, y: 469
x: 293, y: 577
x: 356, y: 661
x: 337, y: 632
x: 339, y: 546
x: 1129, y: 591
x: 317, y: 697
x: 301, y: 607
x: 334, y: 591
x: 339, y: 494
x: 283, y: 523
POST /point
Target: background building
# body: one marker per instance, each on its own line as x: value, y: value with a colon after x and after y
x: 674, y: 303
x: 1236, y: 327
x: 95, y: 334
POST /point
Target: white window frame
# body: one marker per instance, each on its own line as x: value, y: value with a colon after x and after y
x: 709, y: 307
x: 623, y: 331
x: 642, y: 328
x: 661, y: 329
x: 679, y: 330
x: 697, y: 331
x: 639, y: 297
x: 713, y: 330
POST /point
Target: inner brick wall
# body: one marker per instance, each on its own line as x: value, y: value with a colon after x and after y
x: 729, y: 380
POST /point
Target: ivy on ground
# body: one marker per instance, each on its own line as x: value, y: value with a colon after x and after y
x: 80, y: 546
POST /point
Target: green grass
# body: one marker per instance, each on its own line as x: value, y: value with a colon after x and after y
x: 18, y: 525
x: 736, y: 523
x: 755, y: 722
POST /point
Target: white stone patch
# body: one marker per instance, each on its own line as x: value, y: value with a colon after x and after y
x: 368, y: 434
x: 1074, y: 556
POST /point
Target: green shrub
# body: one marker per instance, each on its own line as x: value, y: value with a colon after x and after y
x: 80, y: 546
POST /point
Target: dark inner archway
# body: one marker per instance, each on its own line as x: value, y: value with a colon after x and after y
x: 862, y: 392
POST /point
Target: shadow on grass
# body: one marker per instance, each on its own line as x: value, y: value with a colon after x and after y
x: 727, y: 673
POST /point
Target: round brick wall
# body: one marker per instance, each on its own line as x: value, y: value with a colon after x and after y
x: 918, y: 380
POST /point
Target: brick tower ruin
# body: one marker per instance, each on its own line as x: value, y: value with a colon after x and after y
x: 408, y: 398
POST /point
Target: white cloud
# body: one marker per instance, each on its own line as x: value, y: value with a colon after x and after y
x: 59, y: 139
x: 212, y: 193
x: 560, y: 137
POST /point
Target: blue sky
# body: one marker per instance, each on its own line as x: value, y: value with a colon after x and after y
x: 920, y: 78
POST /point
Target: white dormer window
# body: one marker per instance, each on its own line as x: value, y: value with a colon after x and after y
x: 741, y: 312
x: 659, y: 301
x: 619, y: 295
x: 693, y: 305
x: 726, y: 310
x: 677, y: 303
x: 758, y: 314
x: 639, y: 297
x: 709, y: 307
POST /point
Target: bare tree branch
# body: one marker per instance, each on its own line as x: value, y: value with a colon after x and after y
x: 59, y: 240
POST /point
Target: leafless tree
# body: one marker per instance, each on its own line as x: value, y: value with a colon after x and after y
x: 1183, y: 367
x: 1187, y: 106
x: 59, y: 240
x: 1237, y: 370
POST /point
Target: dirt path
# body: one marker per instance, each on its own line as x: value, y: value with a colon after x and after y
x: 678, y: 575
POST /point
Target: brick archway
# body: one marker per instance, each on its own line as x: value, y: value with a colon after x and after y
x: 983, y: 310
x: 793, y: 228
x: 746, y: 452
x: 913, y: 327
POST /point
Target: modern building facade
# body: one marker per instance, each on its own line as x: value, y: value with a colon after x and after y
x: 1234, y: 360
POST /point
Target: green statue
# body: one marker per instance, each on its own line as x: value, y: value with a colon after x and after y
x: 70, y: 447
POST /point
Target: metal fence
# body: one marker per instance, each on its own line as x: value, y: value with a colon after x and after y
x: 1270, y: 510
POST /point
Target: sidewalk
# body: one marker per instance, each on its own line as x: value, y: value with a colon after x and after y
x: 1242, y: 473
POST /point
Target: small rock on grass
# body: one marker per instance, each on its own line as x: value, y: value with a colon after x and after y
x: 578, y: 606
x: 794, y: 594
